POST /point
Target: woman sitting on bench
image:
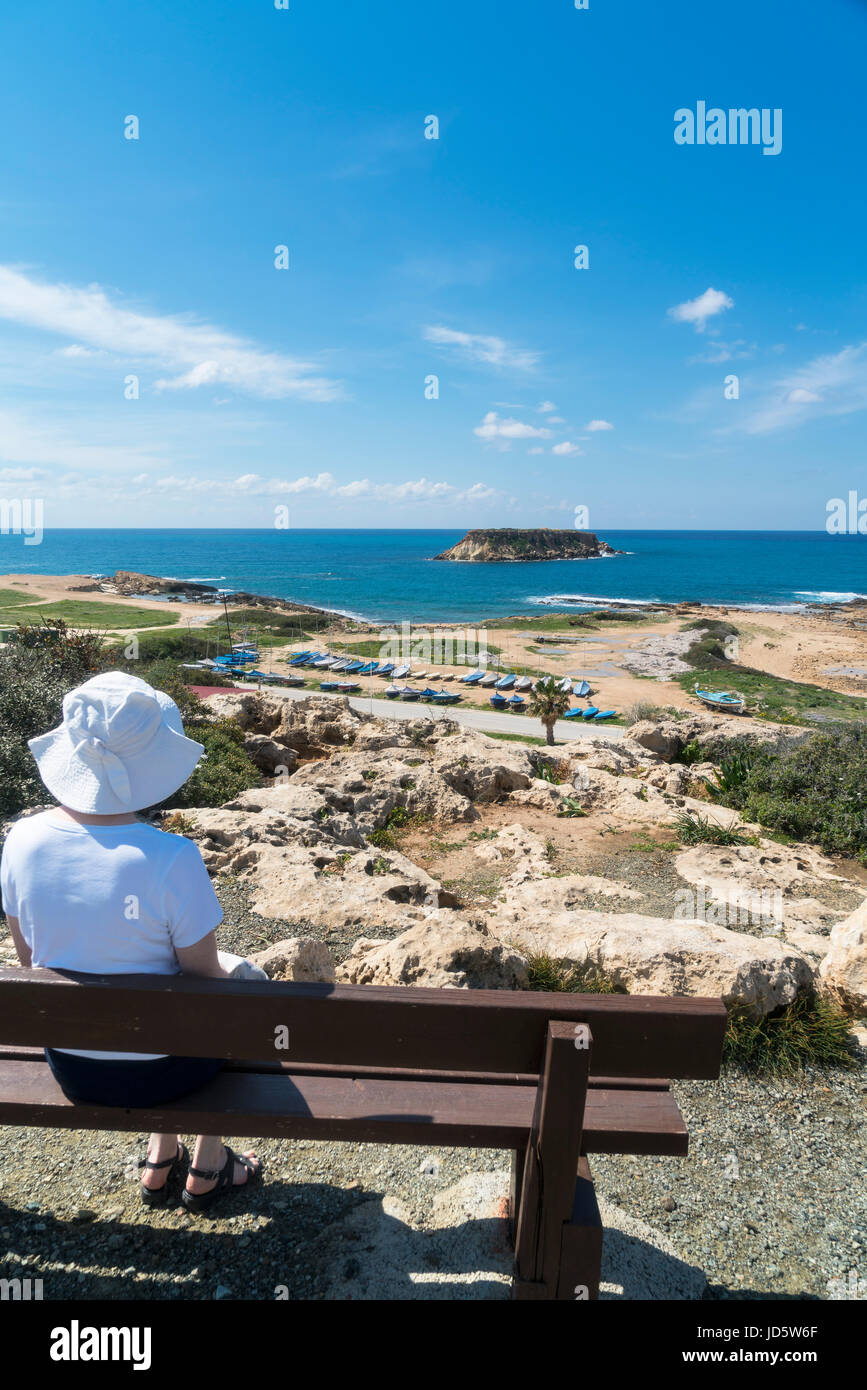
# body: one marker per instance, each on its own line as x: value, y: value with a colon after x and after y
x: 89, y: 887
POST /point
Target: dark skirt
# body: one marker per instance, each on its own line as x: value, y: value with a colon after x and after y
x: 130, y: 1083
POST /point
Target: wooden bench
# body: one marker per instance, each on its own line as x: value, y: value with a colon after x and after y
x: 553, y: 1077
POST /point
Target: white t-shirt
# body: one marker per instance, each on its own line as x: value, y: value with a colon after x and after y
x: 106, y: 899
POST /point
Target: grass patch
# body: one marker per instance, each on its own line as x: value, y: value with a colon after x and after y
x: 79, y: 613
x: 399, y: 821
x: 10, y: 598
x: 811, y: 1031
x: 376, y: 647
x: 559, y: 976
x: 515, y: 738
x: 773, y: 697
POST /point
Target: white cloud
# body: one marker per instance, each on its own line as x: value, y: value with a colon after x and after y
x: 834, y: 384
x: 698, y: 311
x: 537, y: 450
x: 567, y: 447
x: 480, y: 347
x: 595, y: 425
x: 493, y: 428
x: 546, y: 407
x: 78, y: 350
x: 556, y: 420
x: 254, y: 485
x: 199, y: 352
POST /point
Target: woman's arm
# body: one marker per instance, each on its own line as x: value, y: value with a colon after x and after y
x: 25, y: 955
x: 202, y: 959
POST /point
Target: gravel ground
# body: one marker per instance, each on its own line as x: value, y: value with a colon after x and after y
x: 771, y: 1203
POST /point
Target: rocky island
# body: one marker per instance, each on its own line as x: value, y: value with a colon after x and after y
x: 541, y: 543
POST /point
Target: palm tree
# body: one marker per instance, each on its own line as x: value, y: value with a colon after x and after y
x: 549, y: 703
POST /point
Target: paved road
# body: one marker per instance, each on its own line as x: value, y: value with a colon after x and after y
x: 566, y: 730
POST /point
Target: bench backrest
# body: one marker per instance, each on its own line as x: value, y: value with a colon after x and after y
x: 499, y: 1031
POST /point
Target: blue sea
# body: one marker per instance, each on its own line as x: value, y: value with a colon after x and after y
x: 390, y: 575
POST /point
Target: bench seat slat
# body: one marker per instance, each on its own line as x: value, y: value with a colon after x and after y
x: 296, y: 1106
x: 493, y: 1078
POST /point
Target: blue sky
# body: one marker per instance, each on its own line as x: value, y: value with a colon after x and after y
x: 411, y: 257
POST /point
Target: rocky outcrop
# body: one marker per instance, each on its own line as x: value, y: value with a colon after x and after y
x: 298, y: 958
x: 509, y: 543
x: 652, y: 955
x: 451, y: 954
x: 129, y: 583
x: 667, y: 738
x: 320, y: 847
x: 764, y: 887
x: 844, y: 970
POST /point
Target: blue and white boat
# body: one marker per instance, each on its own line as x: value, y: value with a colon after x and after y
x: 581, y: 689
x: 590, y: 712
x: 506, y: 682
x: 517, y: 704
x: 473, y: 678
x: 577, y: 712
x: 409, y: 693
x: 604, y: 714
x: 444, y: 697
x: 402, y: 672
x: 724, y: 701
x: 499, y: 701
x: 524, y: 683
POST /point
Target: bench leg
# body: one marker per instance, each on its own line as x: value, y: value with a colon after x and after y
x: 515, y: 1185
x: 550, y: 1164
x: 581, y: 1248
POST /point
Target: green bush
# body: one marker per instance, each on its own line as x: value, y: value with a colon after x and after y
x: 36, y: 670
x: 814, y: 790
x: 223, y: 773
x: 47, y: 660
x: 178, y: 644
x: 691, y: 752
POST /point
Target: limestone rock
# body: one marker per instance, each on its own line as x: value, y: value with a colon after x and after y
x: 453, y: 953
x: 270, y: 756
x: 653, y: 955
x: 297, y: 958
x: 761, y: 884
x: 844, y: 969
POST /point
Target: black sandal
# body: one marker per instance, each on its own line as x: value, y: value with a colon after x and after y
x: 158, y: 1196
x: 225, y: 1178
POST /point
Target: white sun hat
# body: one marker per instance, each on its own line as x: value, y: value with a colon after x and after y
x: 121, y: 747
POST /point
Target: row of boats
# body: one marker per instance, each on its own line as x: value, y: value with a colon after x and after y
x: 348, y: 667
